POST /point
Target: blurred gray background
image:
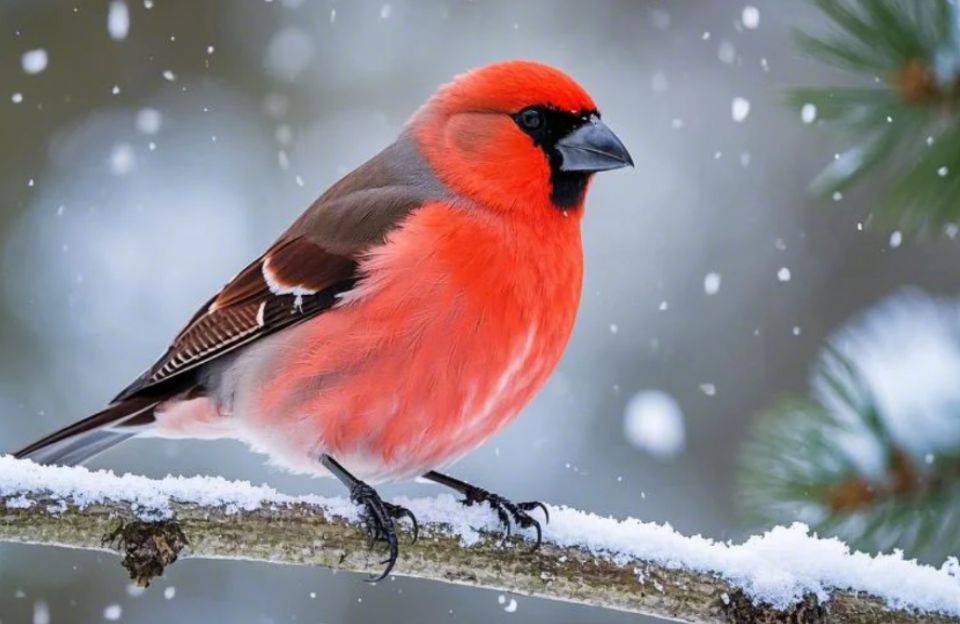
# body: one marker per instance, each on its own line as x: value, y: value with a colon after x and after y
x: 137, y: 175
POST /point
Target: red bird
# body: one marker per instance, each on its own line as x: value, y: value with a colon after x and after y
x: 408, y: 315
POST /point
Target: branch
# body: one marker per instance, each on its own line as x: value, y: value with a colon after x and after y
x: 784, y: 575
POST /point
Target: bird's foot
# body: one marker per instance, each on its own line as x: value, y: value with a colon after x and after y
x: 507, y: 510
x: 379, y: 519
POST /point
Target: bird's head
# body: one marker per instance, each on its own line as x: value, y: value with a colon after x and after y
x: 517, y: 135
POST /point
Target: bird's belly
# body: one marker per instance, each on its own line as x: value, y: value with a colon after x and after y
x: 410, y: 406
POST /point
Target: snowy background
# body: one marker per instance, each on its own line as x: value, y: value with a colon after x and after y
x: 150, y: 149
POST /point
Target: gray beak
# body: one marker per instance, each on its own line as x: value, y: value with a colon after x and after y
x: 592, y: 147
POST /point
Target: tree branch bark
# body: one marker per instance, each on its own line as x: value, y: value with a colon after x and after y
x: 309, y: 534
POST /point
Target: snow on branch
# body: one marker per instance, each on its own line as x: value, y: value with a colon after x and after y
x: 783, y: 575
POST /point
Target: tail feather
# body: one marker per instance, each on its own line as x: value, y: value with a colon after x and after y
x: 82, y: 440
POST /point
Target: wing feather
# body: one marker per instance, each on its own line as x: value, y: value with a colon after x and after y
x: 301, y: 275
x: 252, y: 306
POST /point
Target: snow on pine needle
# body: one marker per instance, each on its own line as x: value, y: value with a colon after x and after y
x: 874, y: 455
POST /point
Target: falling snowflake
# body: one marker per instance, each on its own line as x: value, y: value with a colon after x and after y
x: 34, y: 61
x: 653, y: 421
x: 41, y: 613
x: 739, y: 109
x: 118, y: 20
x: 711, y: 283
x: 122, y: 159
x: 896, y: 238
x: 149, y: 120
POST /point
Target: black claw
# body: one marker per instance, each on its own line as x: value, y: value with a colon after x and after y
x: 525, y: 520
x: 536, y: 545
x: 379, y: 523
x: 506, y: 510
x: 531, y: 505
x: 416, y: 529
x: 504, y: 520
x: 378, y: 516
x: 396, y: 512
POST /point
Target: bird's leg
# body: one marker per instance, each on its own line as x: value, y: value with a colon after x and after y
x: 505, y: 508
x: 378, y: 516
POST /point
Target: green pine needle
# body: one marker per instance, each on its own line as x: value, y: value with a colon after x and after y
x: 804, y: 461
x: 909, y: 124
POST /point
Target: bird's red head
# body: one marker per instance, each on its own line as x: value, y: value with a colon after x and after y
x: 517, y: 136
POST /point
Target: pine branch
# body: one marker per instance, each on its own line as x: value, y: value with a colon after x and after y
x: 908, y: 122
x: 872, y: 457
x: 623, y: 565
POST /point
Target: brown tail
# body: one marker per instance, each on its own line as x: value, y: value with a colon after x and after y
x: 82, y: 440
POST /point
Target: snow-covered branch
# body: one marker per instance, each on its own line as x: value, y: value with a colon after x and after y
x: 627, y: 565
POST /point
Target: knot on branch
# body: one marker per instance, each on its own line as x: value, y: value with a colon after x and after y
x: 147, y: 548
x: 739, y: 609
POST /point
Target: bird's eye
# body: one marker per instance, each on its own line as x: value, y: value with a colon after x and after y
x: 531, y: 119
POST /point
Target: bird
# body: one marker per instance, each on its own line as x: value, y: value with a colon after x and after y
x: 406, y: 316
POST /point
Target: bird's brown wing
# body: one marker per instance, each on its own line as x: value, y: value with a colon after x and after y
x: 301, y: 275
x: 295, y: 280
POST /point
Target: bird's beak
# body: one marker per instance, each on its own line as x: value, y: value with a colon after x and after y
x: 592, y: 147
